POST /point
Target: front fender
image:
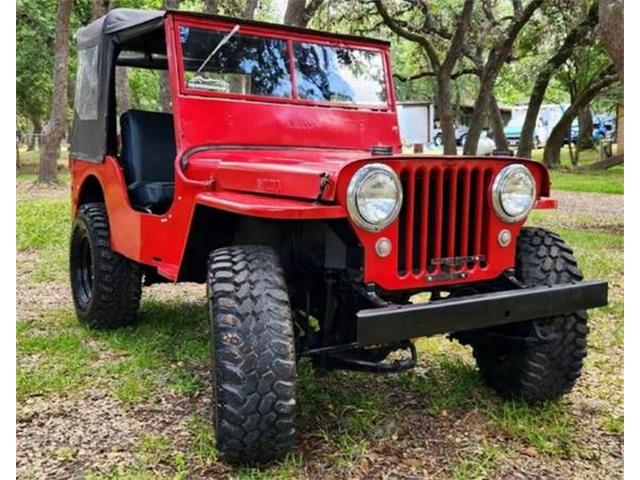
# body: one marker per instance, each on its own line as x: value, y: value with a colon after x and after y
x: 263, y: 206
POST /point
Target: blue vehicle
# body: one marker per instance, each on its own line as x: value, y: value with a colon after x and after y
x: 602, y: 129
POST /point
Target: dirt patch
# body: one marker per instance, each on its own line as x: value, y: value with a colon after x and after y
x: 33, y: 299
x: 30, y: 190
x: 598, y: 205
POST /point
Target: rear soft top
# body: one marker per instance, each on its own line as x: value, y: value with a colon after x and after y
x: 116, y: 21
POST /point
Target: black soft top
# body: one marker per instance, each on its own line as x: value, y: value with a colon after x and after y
x: 117, y: 21
x: 120, y: 20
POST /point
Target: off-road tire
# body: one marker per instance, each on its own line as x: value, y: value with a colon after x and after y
x: 536, y: 372
x: 106, y: 286
x: 253, y: 362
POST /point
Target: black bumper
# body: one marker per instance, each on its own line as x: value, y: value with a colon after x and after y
x: 389, y: 324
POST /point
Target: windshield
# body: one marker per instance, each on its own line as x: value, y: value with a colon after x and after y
x: 337, y: 74
x: 245, y: 64
x: 231, y: 61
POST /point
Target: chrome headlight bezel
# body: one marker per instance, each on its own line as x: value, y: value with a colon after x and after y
x: 356, y: 182
x: 498, y: 189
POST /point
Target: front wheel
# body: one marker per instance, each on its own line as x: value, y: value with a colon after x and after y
x: 253, y: 366
x: 548, y: 367
x: 106, y: 286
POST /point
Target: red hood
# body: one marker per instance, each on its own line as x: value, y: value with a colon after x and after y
x: 298, y: 173
x: 294, y: 172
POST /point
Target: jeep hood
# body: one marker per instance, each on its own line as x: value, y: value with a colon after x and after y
x: 306, y: 174
x: 289, y: 172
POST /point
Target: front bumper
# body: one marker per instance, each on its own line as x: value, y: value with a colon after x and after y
x: 402, y: 322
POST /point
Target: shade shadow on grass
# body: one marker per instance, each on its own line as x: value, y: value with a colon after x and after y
x: 341, y: 416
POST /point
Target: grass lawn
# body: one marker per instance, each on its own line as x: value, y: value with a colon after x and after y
x: 606, y: 181
x: 135, y: 403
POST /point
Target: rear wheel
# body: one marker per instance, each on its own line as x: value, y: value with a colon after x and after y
x: 253, y: 356
x: 106, y: 286
x: 540, y: 359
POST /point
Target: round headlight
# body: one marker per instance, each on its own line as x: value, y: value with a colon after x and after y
x: 514, y: 192
x: 374, y: 197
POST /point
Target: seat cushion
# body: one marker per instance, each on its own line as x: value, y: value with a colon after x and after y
x: 148, y: 146
x: 153, y: 197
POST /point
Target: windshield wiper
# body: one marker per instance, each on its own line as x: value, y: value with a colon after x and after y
x: 226, y: 38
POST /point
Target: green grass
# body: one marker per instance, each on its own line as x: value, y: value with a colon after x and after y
x: 343, y: 417
x: 51, y: 361
x: 605, y: 181
x: 144, y: 356
x: 477, y: 463
x: 43, y: 224
x: 450, y: 382
x: 548, y: 428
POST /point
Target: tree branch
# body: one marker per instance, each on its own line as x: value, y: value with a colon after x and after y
x: 401, y: 29
x: 453, y: 76
x: 457, y: 43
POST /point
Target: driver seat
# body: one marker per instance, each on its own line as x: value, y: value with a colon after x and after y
x: 147, y: 156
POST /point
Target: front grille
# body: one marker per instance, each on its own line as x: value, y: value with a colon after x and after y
x: 441, y: 228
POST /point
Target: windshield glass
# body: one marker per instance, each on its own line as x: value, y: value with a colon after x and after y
x: 337, y: 74
x: 245, y: 64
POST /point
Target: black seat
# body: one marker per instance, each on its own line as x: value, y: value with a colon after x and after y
x: 148, y: 153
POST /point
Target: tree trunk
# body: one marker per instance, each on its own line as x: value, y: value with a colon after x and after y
x: 250, y: 9
x: 165, y: 92
x: 99, y: 8
x: 294, y: 15
x: 54, y: 130
x: 445, y: 114
x: 498, y: 55
x: 211, y: 7
x: 123, y: 101
x: 525, y: 145
x: 585, y: 136
x: 497, y: 125
x: 574, y: 154
x: 606, y: 163
x: 612, y: 32
x: 551, y: 157
x: 37, y: 130
x: 299, y: 13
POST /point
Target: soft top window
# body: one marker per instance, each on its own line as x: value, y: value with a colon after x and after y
x: 245, y: 64
x: 337, y: 74
x: 86, y: 95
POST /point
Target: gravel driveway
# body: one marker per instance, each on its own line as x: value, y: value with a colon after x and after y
x: 593, y: 204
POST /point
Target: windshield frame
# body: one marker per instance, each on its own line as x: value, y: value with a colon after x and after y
x: 289, y: 39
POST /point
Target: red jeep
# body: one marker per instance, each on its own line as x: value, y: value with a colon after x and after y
x: 278, y: 180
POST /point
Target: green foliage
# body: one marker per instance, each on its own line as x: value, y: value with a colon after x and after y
x: 606, y: 181
x: 35, y: 24
x: 42, y: 224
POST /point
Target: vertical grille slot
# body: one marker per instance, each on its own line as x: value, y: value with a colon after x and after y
x: 442, y: 216
x: 402, y: 225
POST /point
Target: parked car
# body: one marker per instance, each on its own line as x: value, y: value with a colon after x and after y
x: 513, y: 132
x: 309, y: 228
x: 460, y: 132
x: 603, y: 128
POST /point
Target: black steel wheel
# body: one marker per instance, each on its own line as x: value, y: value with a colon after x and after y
x: 253, y: 366
x: 106, y: 286
x: 541, y: 359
